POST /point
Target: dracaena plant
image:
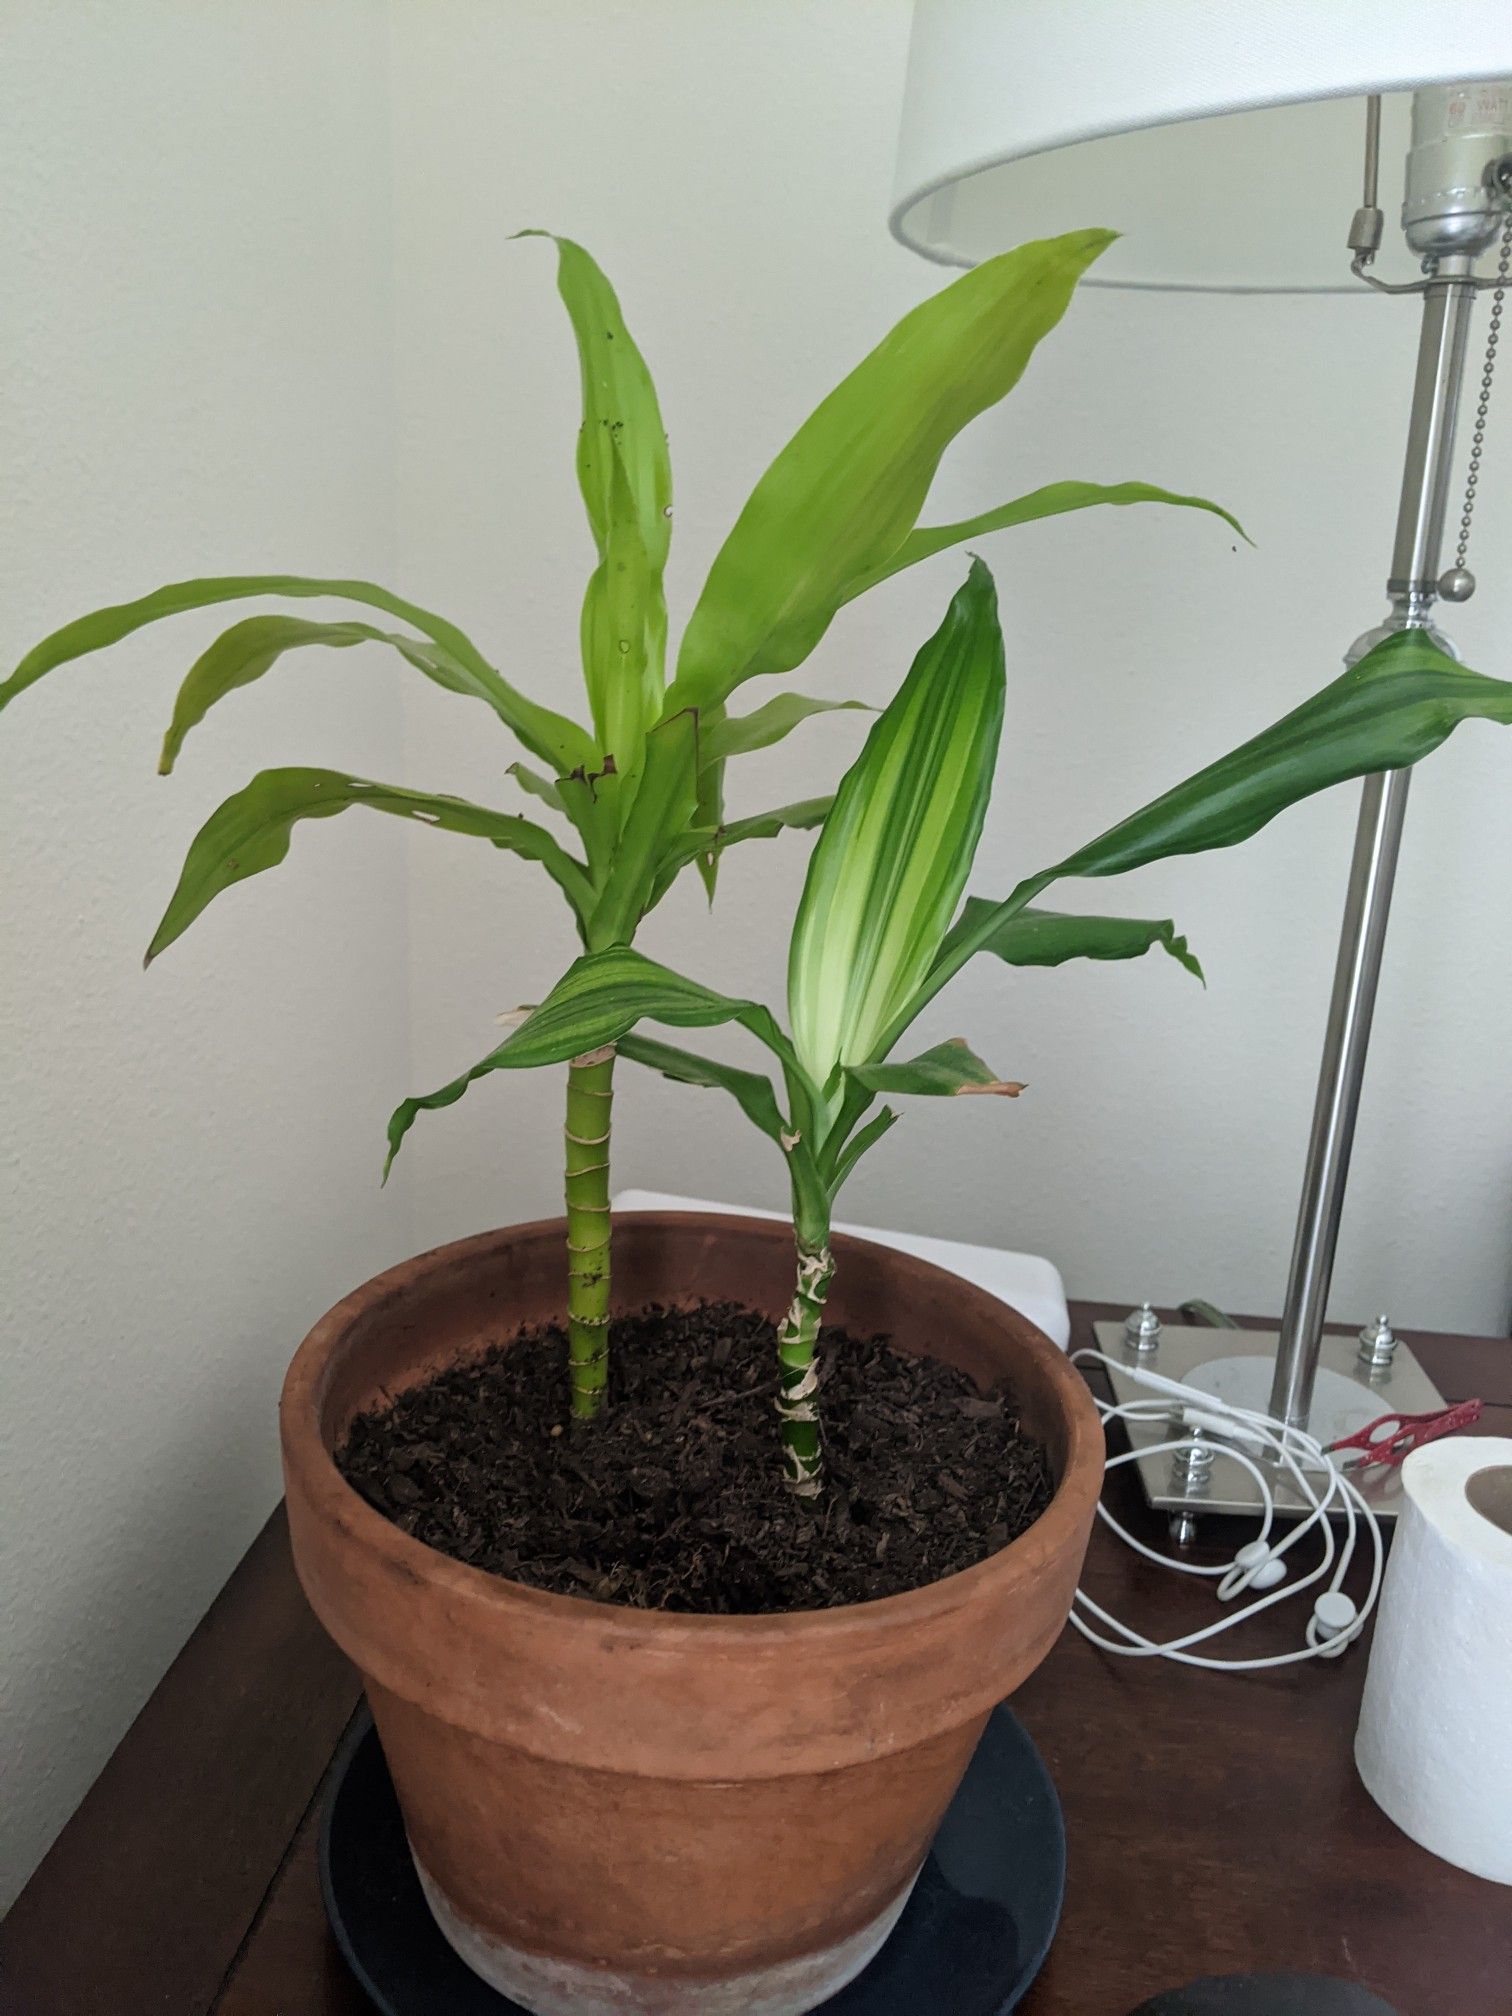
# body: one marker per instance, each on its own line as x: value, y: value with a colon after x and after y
x: 881, y: 927
x: 639, y: 786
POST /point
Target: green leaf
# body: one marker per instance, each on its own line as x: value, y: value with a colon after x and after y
x: 251, y: 831
x: 242, y: 654
x: 707, y: 843
x: 1048, y: 502
x: 949, y: 1070
x: 757, y: 1099
x: 857, y: 1146
x: 546, y: 734
x: 708, y: 813
x: 661, y: 810
x: 769, y: 723
x: 1050, y: 937
x: 846, y: 491
x: 893, y: 857
x: 623, y: 632
x: 544, y: 788
x: 1390, y: 710
x: 597, y: 1002
x: 626, y: 479
x: 801, y: 815
x: 811, y: 1196
x: 592, y: 796
x: 619, y: 405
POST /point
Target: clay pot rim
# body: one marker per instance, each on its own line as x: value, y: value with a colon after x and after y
x: 336, y: 1501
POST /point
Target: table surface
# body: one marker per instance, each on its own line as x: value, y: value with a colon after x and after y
x: 1215, y: 1821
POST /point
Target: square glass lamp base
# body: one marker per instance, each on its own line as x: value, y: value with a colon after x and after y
x: 1237, y: 1365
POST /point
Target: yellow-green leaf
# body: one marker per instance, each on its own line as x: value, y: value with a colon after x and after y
x: 625, y: 476
x: 458, y: 663
x: 846, y: 491
x: 660, y: 811
x: 1048, y: 502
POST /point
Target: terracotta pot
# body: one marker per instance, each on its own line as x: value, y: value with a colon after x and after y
x: 616, y: 1810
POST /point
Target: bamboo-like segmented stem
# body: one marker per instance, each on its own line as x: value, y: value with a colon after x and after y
x: 798, y: 1369
x: 590, y: 1093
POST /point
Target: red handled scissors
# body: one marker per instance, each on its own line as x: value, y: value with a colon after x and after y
x: 1395, y: 1436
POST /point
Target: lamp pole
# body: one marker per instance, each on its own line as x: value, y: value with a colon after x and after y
x: 1426, y: 485
x: 1455, y: 206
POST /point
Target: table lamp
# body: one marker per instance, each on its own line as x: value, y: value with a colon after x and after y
x: 1024, y: 118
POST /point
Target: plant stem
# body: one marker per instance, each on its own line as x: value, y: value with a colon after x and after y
x: 797, y: 1356
x: 590, y: 1092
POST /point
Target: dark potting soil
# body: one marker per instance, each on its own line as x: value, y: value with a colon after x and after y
x: 674, y: 1499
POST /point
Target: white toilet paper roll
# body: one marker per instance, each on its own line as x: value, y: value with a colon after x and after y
x: 1434, y: 1745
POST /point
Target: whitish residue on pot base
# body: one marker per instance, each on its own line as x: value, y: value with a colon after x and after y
x: 549, y: 1987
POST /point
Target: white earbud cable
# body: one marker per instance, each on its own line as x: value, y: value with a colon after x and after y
x: 1229, y: 1433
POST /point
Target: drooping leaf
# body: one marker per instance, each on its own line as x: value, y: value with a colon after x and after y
x: 661, y: 811
x: 894, y: 854
x: 1051, y: 937
x: 598, y: 1001
x: 758, y: 1100
x: 625, y: 476
x: 811, y: 1196
x: 1388, y: 711
x: 739, y: 734
x: 1047, y: 502
x: 242, y: 654
x: 846, y: 491
x: 546, y: 734
x: 949, y: 1070
x: 250, y: 832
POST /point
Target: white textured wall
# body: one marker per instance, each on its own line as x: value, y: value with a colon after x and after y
x: 730, y: 167
x: 200, y: 297
x: 194, y: 345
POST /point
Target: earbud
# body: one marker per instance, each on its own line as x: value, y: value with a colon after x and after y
x: 1256, y: 1566
x: 1333, y: 1615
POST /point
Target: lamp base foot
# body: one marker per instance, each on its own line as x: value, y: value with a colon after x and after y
x: 1237, y: 1365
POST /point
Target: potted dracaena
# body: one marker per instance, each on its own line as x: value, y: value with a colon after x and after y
x: 640, y: 786
x: 615, y: 1809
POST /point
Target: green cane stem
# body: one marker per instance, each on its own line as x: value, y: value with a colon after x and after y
x: 590, y: 1094
x: 798, y: 1370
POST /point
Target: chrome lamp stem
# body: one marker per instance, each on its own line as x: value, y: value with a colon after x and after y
x: 1426, y: 484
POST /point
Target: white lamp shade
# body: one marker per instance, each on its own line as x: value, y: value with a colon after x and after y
x: 1223, y: 138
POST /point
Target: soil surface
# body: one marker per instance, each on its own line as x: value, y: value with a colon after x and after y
x: 674, y: 1498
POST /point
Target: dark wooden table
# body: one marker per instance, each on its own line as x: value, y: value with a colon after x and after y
x: 1215, y: 1821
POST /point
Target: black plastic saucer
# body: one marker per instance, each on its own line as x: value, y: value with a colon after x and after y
x: 972, y: 1936
x: 1267, y: 1995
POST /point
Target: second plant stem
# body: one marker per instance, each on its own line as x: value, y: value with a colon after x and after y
x: 798, y: 1365
x: 590, y: 1096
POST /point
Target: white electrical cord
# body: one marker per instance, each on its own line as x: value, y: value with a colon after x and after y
x: 1239, y: 1435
